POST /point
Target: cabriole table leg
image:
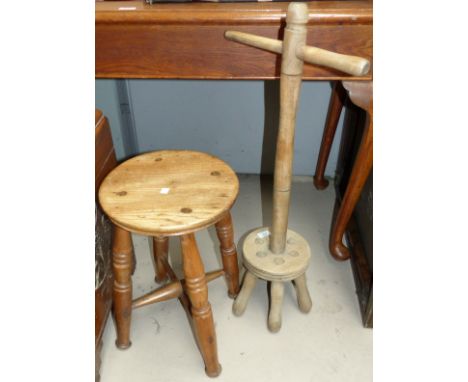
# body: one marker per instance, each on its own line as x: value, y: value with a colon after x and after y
x: 360, y: 94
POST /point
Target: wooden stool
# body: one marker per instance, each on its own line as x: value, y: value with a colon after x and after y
x: 172, y: 193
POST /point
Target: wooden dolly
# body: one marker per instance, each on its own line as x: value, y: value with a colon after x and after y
x: 283, y: 255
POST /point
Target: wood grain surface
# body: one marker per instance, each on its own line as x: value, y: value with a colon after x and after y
x: 225, y: 233
x: 337, y: 99
x: 197, y: 291
x: 160, y: 254
x: 187, y: 40
x: 169, y: 192
x: 122, y: 251
x: 360, y: 93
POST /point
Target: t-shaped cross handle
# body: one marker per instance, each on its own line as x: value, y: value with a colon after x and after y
x: 294, y: 48
x: 294, y: 52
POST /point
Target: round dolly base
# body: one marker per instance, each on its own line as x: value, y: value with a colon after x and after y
x: 263, y: 263
x: 290, y: 265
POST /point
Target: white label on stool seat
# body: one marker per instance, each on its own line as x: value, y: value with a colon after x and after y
x: 263, y: 234
x: 164, y: 190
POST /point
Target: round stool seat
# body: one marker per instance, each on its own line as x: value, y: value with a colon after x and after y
x: 170, y: 192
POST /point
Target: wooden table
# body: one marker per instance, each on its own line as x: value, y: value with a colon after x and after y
x: 137, y: 40
x: 186, y: 41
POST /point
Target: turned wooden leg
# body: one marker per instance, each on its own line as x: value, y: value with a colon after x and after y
x: 334, y: 111
x: 274, y: 317
x: 303, y: 296
x: 122, y: 260
x: 238, y: 308
x: 160, y: 251
x: 361, y: 95
x: 200, y: 307
x: 229, y: 254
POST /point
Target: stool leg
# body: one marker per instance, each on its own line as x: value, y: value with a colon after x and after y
x: 160, y: 251
x: 200, y: 307
x: 303, y: 296
x: 274, y: 317
x: 229, y: 254
x: 238, y: 308
x: 122, y: 260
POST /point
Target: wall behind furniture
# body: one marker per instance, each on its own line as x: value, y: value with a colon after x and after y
x: 225, y: 118
x: 107, y: 100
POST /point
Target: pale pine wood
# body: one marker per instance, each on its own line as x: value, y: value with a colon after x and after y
x: 122, y: 290
x: 197, y: 291
x: 294, y: 52
x: 278, y: 263
x: 202, y: 188
x: 274, y: 317
x: 290, y: 84
x: 355, y: 66
x: 225, y: 234
x: 270, y: 266
x: 303, y: 297
x: 248, y: 285
x: 262, y: 263
x: 289, y: 94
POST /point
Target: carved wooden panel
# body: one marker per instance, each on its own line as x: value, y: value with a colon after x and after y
x: 103, y: 233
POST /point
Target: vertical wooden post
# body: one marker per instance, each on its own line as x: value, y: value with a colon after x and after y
x: 294, y: 52
x: 290, y: 85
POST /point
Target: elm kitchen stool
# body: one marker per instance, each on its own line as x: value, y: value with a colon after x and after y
x: 172, y: 193
x: 277, y: 254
